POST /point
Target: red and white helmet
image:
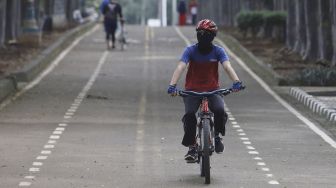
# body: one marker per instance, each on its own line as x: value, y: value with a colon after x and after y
x: 207, y: 25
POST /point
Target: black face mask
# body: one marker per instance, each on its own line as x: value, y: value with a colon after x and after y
x: 205, y: 39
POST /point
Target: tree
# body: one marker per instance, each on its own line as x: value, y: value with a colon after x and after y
x: 311, y: 17
x: 3, y: 6
x: 333, y: 13
x: 292, y: 24
x: 325, y: 31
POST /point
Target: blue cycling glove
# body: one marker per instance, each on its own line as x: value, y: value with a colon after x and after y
x: 237, y: 85
x: 172, y: 90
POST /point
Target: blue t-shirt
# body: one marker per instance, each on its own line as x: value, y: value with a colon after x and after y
x: 191, y: 53
x: 202, y: 73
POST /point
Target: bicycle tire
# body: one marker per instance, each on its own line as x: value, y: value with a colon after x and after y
x: 205, y: 159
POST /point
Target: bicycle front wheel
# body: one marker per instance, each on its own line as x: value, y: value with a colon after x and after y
x: 205, y: 159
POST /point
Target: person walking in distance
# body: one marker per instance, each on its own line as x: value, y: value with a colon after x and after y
x: 112, y: 12
x: 193, y: 11
x: 182, y: 10
x: 202, y: 60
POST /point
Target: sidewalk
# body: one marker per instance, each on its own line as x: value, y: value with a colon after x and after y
x: 319, y: 100
x: 9, y: 84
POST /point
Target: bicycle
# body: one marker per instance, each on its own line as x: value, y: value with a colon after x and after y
x: 205, y: 130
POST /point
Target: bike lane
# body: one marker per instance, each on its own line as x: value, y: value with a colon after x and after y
x: 36, y: 110
x: 285, y: 147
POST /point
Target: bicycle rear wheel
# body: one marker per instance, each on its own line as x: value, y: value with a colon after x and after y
x: 205, y: 159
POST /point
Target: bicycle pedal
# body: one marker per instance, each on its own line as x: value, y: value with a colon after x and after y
x: 191, y: 161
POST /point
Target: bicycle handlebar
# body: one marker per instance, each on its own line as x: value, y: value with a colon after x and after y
x: 204, y: 94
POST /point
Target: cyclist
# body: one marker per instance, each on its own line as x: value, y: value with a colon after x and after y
x: 202, y: 60
x: 111, y: 10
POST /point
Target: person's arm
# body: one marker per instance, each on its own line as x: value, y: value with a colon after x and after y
x: 230, y: 71
x: 178, y: 72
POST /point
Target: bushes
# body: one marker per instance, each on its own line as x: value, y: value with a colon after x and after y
x: 267, y: 21
x: 322, y: 76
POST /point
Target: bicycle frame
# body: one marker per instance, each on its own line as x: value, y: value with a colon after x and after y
x: 205, y: 134
x: 205, y: 113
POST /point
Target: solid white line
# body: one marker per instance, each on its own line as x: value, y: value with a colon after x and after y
x: 182, y: 36
x: 267, y: 88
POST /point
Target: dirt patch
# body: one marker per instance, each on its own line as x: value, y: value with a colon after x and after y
x: 273, y: 53
x: 15, y: 56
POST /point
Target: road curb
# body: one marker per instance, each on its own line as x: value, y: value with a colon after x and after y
x: 8, y: 85
x: 32, y: 69
x: 314, y: 104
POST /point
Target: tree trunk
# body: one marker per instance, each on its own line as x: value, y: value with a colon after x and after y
x: 291, y: 24
x: 300, y: 27
x: 333, y: 7
x: 311, y: 16
x: 3, y: 6
x: 325, y: 31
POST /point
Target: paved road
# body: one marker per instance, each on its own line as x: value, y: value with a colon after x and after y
x: 103, y: 119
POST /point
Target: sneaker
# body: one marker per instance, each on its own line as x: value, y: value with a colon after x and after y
x: 191, y: 156
x: 219, y: 146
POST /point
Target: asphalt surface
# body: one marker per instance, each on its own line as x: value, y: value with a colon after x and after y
x: 103, y: 119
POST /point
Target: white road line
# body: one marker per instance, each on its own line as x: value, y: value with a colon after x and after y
x: 47, y: 70
x: 41, y: 157
x: 54, y: 137
x: 46, y: 152
x: 34, y: 169
x: 25, y: 184
x: 51, y: 141
x: 48, y: 146
x: 59, y: 130
x: 29, y: 177
x: 267, y: 88
x: 182, y: 36
x: 37, y: 164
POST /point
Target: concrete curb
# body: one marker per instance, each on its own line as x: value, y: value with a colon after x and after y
x: 32, y: 69
x: 314, y: 104
x: 8, y: 85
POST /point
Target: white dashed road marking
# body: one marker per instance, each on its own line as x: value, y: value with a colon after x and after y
x: 59, y: 130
